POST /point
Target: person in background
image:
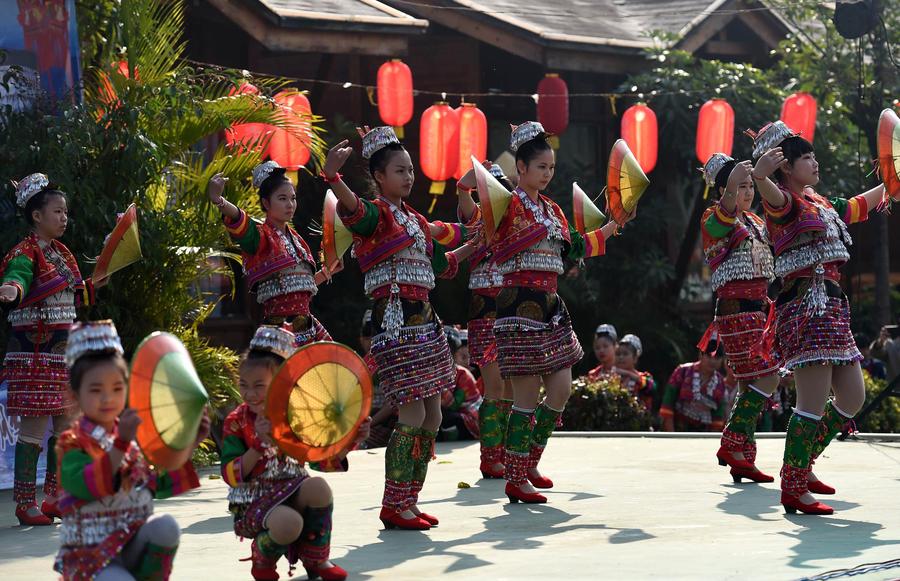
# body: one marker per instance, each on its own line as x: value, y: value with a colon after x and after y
x: 605, y: 339
x: 873, y: 365
x: 694, y: 397
x: 459, y: 405
x: 639, y: 383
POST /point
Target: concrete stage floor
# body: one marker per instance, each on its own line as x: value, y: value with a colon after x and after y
x: 622, y: 508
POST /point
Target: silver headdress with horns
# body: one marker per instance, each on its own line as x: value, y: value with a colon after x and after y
x: 524, y: 132
x: 262, y: 172
x: 29, y: 187
x: 93, y: 337
x: 276, y: 340
x: 607, y: 329
x: 634, y: 341
x: 376, y: 139
x: 713, y: 166
x: 771, y: 135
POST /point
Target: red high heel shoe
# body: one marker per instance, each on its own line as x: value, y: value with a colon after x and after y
x: 488, y: 470
x: 51, y: 509
x: 333, y: 573
x: 537, y: 480
x: 430, y: 519
x: 393, y: 520
x: 25, y: 519
x: 727, y: 459
x: 819, y: 487
x: 515, y: 494
x: 756, y: 475
x: 792, y: 504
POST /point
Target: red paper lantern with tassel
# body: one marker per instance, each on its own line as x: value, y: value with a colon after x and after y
x: 243, y: 134
x: 439, y: 146
x: 553, y: 106
x: 395, y: 95
x: 285, y: 147
x: 472, y: 137
x: 640, y: 131
x: 799, y: 113
x: 715, y: 129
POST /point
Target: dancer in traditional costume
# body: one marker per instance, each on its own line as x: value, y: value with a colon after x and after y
x: 694, y: 397
x: 485, y: 282
x: 639, y: 383
x: 275, y: 502
x: 109, y: 531
x: 606, y: 338
x: 41, y: 287
x: 399, y: 255
x: 736, y: 248
x: 535, y: 341
x: 813, y: 339
x: 279, y: 265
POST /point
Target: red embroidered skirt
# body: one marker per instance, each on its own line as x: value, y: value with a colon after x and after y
x: 482, y: 343
x: 36, y: 372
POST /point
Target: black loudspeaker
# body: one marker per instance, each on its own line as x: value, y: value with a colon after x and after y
x: 854, y: 18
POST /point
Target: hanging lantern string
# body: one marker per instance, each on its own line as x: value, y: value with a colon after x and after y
x: 444, y: 95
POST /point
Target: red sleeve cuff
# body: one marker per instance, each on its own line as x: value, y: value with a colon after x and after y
x: 351, y: 218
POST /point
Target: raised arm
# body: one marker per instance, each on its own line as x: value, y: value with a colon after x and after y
x: 762, y: 172
x: 337, y: 157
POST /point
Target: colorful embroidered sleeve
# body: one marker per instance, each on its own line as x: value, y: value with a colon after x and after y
x: 444, y: 263
x: 720, y: 222
x: 670, y: 393
x: 781, y: 215
x: 363, y: 221
x: 334, y: 464
x: 647, y: 384
x: 175, y: 482
x: 86, y: 477
x: 19, y: 272
x: 590, y: 245
x: 243, y: 232
x: 851, y: 211
x: 450, y: 235
x: 233, y: 449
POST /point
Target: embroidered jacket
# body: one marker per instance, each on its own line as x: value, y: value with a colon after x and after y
x: 736, y: 247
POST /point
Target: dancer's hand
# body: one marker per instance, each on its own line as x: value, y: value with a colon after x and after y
x: 770, y: 161
x: 8, y: 293
x: 129, y: 420
x: 362, y: 434
x: 263, y: 429
x: 215, y: 188
x: 337, y: 157
x: 738, y: 175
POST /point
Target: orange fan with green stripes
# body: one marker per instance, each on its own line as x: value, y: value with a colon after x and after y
x: 493, y: 197
x: 588, y: 216
x: 625, y: 182
x: 336, y: 238
x: 169, y: 397
x: 889, y: 152
x: 317, y: 401
x: 122, y: 247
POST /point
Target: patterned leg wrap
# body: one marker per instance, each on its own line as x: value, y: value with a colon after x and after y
x: 830, y: 426
x: 733, y: 441
x: 489, y: 423
x: 50, y: 477
x: 423, y: 452
x: 750, y: 451
x: 545, y: 419
x: 745, y: 412
x: 25, y: 473
x: 156, y: 564
x: 801, y: 432
x: 505, y: 406
x: 315, y: 539
x: 399, y: 466
x: 518, y: 446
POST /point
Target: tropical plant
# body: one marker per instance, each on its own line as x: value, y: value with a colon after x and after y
x: 603, y: 405
x: 141, y: 134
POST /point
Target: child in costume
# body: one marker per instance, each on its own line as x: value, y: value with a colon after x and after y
x: 274, y: 500
x: 399, y: 253
x: 606, y: 339
x: 736, y: 248
x: 279, y: 265
x: 813, y: 339
x: 109, y: 531
x: 639, y: 383
x: 41, y: 287
x: 535, y: 341
x: 694, y: 396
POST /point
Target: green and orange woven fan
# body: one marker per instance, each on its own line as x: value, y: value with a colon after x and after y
x: 168, y: 396
x: 625, y: 182
x: 588, y: 216
x: 122, y: 247
x: 493, y: 197
x: 317, y: 401
x: 889, y: 153
x: 336, y: 238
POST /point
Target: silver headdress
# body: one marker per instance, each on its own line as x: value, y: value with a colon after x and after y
x: 376, y: 139
x: 524, y: 132
x: 92, y: 338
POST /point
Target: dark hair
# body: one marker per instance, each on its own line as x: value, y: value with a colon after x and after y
x: 793, y: 148
x: 39, y: 201
x: 89, y: 360
x: 276, y: 179
x: 630, y: 346
x: 380, y: 160
x: 504, y: 181
x: 607, y: 336
x: 862, y: 340
x: 724, y: 174
x: 530, y: 149
x: 253, y: 357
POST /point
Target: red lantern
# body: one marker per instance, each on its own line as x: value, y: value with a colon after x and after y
x: 242, y: 134
x: 395, y: 95
x: 285, y: 147
x: 715, y: 129
x: 439, y: 146
x: 107, y: 92
x: 553, y: 105
x: 640, y: 132
x: 799, y: 113
x: 472, y: 137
